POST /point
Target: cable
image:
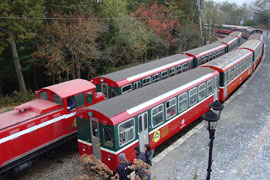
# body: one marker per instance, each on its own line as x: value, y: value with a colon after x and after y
x: 89, y: 18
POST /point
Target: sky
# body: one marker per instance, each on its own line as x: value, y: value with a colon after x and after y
x: 239, y: 2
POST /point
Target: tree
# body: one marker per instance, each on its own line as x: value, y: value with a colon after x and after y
x: 18, y: 30
x: 69, y: 47
x: 160, y: 22
x: 262, y: 12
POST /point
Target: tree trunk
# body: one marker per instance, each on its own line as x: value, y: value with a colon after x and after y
x: 17, y: 63
x: 78, y: 71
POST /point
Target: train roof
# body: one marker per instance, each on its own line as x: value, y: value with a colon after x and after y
x: 258, y: 36
x: 70, y: 88
x: 226, y: 61
x: 236, y: 33
x: 119, y: 104
x: 204, y: 49
x: 251, y: 44
x: 228, y: 39
x: 146, y: 67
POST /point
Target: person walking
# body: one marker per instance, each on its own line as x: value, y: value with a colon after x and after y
x: 148, y: 154
x: 139, y: 155
x: 123, y: 168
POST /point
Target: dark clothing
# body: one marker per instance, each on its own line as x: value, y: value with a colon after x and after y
x: 140, y: 156
x: 123, y: 171
x: 147, y: 157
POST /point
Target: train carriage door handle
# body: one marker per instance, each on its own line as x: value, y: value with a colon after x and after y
x: 98, y: 145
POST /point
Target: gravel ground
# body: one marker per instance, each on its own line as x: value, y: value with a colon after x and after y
x: 61, y: 163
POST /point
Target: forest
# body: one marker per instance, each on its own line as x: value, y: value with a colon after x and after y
x: 44, y: 42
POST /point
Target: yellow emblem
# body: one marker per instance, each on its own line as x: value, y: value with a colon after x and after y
x: 156, y: 136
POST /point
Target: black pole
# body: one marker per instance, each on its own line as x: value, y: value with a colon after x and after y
x: 211, y: 137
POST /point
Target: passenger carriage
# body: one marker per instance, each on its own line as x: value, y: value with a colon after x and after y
x: 132, y: 78
x: 43, y: 123
x: 207, y: 53
x: 231, y: 41
x: 259, y: 31
x: 257, y: 36
x: 256, y: 46
x: 148, y: 115
x: 234, y: 68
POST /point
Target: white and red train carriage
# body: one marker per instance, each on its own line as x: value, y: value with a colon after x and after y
x: 146, y: 116
x: 43, y: 123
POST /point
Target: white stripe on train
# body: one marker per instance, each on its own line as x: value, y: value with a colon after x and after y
x: 156, y: 69
x: 168, y: 94
x: 41, y: 125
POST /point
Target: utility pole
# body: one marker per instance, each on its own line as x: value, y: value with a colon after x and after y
x: 200, y: 18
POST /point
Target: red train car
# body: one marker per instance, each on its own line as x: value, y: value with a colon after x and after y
x: 126, y: 80
x: 256, y: 46
x: 43, y: 123
x: 146, y: 116
x: 234, y: 68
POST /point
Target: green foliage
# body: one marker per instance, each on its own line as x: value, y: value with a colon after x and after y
x: 14, y: 99
x: 21, y: 28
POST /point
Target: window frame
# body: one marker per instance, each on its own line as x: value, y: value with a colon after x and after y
x: 124, y: 92
x: 103, y: 137
x: 148, y: 81
x: 157, y: 113
x: 207, y: 86
x: 134, y: 135
x: 167, y: 118
x: 189, y: 92
x: 186, y: 99
x: 205, y: 95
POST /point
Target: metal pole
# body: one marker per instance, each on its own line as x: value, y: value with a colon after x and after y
x: 204, y: 35
x: 210, y: 161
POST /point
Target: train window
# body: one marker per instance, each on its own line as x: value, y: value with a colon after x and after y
x: 202, y: 92
x: 185, y: 67
x: 178, y: 69
x: 210, y: 88
x: 146, y: 81
x: 140, y: 124
x: 71, y: 103
x: 107, y: 137
x: 126, y: 88
x: 193, y: 96
x: 95, y: 129
x: 137, y: 85
x: 80, y: 100
x: 57, y: 99
x: 172, y: 71
x: 126, y: 132
x: 113, y: 92
x: 156, y: 77
x: 157, y: 115
x: 164, y: 74
x: 170, y: 108
x: 145, y: 121
x: 89, y: 97
x: 190, y: 65
x: 182, y: 102
x: 43, y: 95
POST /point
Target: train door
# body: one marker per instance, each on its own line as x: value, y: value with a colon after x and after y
x: 225, y: 83
x: 143, y: 130
x: 104, y: 89
x: 95, y: 137
x: 216, y: 88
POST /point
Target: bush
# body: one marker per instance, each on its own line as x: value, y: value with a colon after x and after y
x: 16, y: 98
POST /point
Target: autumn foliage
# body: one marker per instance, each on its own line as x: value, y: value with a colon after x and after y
x: 158, y: 20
